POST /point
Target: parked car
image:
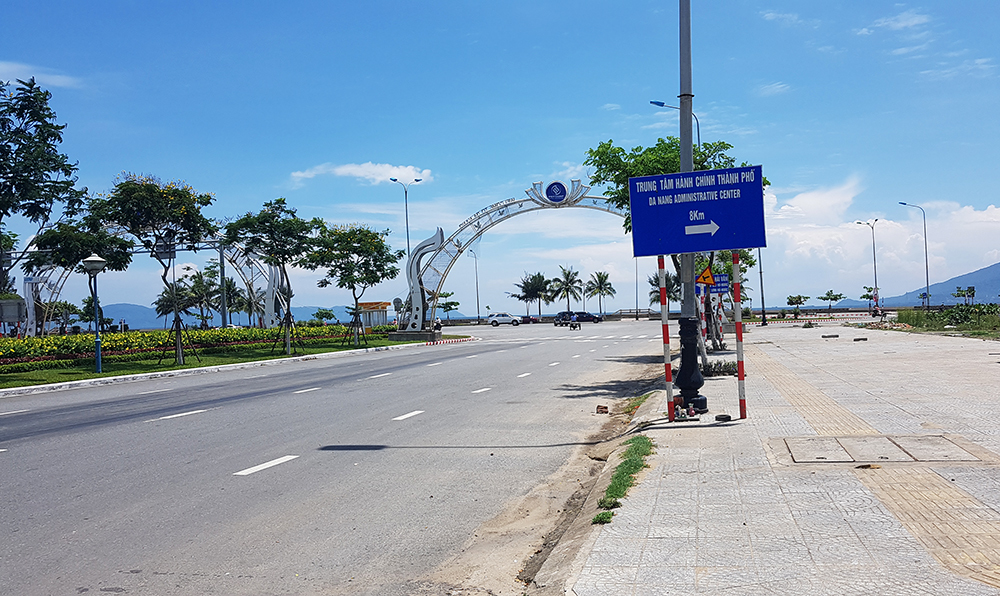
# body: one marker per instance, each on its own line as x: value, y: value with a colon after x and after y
x: 529, y: 319
x: 586, y: 317
x: 565, y: 317
x: 498, y: 318
x: 562, y: 319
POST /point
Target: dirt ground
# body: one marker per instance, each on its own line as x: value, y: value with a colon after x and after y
x: 531, y: 548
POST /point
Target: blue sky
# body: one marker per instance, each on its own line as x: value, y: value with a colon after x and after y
x: 849, y: 107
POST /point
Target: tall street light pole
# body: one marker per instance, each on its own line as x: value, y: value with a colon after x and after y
x: 871, y: 224
x: 763, y: 307
x: 94, y: 265
x: 696, y: 121
x: 406, y: 208
x: 689, y: 377
x: 927, y: 269
x: 476, y: 257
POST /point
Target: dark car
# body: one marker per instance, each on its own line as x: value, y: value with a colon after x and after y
x: 562, y: 319
x: 529, y: 319
x: 586, y: 317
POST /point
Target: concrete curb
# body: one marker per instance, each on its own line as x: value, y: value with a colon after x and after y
x: 186, y: 372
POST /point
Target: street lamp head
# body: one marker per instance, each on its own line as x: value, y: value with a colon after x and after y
x: 658, y: 103
x: 417, y: 179
x: 902, y: 203
x: 94, y: 264
x: 393, y: 179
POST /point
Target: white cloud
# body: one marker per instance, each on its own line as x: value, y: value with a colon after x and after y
x: 376, y: 173
x: 11, y: 71
x: 904, y: 20
x: 909, y: 49
x: 570, y: 171
x: 865, y: 31
x: 820, y: 206
x: 611, y: 106
x: 773, y: 89
x: 785, y: 18
x: 981, y: 67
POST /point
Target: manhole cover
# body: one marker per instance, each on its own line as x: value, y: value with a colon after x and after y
x: 933, y: 448
x: 875, y: 449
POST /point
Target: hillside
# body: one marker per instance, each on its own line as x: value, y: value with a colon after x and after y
x: 985, y: 280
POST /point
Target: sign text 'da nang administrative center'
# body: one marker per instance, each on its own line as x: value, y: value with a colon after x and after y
x: 697, y: 211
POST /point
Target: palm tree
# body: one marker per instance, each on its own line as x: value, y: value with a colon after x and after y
x: 673, y: 287
x: 204, y: 293
x: 174, y: 293
x: 599, y: 286
x: 568, y: 285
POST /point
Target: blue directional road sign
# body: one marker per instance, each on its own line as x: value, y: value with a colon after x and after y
x: 697, y: 211
x: 721, y: 283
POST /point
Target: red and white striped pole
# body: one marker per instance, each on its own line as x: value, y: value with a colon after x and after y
x: 738, y: 315
x: 666, y: 337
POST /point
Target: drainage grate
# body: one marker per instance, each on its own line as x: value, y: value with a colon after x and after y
x: 876, y: 449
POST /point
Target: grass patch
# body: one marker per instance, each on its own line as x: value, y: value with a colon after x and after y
x: 81, y: 369
x: 633, y: 405
x: 633, y: 460
x: 603, y: 517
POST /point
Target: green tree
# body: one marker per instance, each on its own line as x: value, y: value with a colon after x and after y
x: 86, y: 313
x: 960, y: 293
x: 532, y: 287
x: 324, y: 314
x: 175, y: 298
x: 831, y: 297
x: 280, y: 237
x: 203, y: 292
x: 158, y: 216
x: 355, y: 258
x: 599, y: 285
x: 869, y: 295
x: 448, y: 305
x: 672, y: 287
x: 797, y: 301
x: 63, y: 312
x: 34, y: 175
x: 568, y: 285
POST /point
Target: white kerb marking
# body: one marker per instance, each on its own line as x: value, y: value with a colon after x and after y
x: 264, y: 466
x: 410, y: 415
x: 435, y: 364
x: 14, y: 412
x: 522, y: 375
x: 153, y: 391
x: 483, y: 390
x: 177, y: 415
x: 379, y: 376
x: 308, y: 390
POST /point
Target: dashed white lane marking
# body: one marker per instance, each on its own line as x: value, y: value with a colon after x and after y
x: 553, y: 364
x: 594, y: 350
x: 641, y: 336
x: 177, y: 415
x: 308, y: 390
x: 14, y: 412
x: 576, y: 355
x: 483, y: 390
x: 522, y: 375
x: 654, y: 340
x: 610, y: 337
x: 265, y: 465
x: 152, y: 391
x: 626, y: 336
x: 2, y: 450
x: 379, y: 376
x: 498, y: 351
x: 435, y: 364
x: 410, y: 415
x: 604, y: 346
x: 473, y: 356
x: 255, y: 377
x: 594, y: 337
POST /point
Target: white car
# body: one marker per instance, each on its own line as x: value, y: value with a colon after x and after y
x: 497, y: 318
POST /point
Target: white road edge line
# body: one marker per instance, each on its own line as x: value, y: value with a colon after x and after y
x: 410, y: 415
x: 308, y: 390
x: 379, y: 376
x: 436, y: 364
x: 522, y: 375
x: 264, y: 466
x: 153, y: 391
x: 14, y: 412
x: 177, y: 415
x: 484, y: 389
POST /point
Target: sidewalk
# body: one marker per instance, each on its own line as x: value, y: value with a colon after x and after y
x: 777, y: 504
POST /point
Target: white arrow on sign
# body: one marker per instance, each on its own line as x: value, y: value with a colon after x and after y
x: 710, y: 228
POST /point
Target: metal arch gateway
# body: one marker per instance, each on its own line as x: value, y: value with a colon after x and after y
x: 554, y: 195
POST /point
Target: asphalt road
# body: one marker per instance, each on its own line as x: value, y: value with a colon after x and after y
x: 345, y: 475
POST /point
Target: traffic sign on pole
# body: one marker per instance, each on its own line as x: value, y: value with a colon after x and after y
x: 697, y: 211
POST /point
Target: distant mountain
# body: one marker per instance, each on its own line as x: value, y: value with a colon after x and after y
x: 985, y: 280
x: 144, y: 317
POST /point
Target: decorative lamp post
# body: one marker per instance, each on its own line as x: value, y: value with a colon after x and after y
x: 94, y: 265
x: 406, y: 209
x: 927, y: 274
x: 871, y: 224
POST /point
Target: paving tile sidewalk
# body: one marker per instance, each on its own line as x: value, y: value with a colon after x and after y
x: 725, y: 508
